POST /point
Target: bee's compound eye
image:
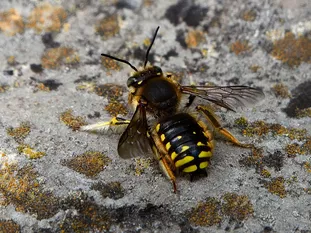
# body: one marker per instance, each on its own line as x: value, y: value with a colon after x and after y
x: 158, y: 70
x: 132, y: 81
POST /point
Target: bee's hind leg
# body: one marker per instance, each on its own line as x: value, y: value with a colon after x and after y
x: 210, y: 116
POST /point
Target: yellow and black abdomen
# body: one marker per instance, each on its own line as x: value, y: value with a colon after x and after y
x: 186, y: 142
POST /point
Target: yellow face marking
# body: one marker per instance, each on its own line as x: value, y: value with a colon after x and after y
x: 200, y: 144
x: 179, y: 137
x: 139, y: 82
x: 173, y: 155
x: 184, y: 148
x: 205, y: 154
x: 191, y: 168
x: 158, y: 127
x: 184, y: 161
x: 168, y: 146
x: 132, y: 89
x: 203, y: 164
x: 162, y: 137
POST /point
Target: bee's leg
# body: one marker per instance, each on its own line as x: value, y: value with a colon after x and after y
x: 115, y: 125
x: 165, y: 162
x: 210, y: 116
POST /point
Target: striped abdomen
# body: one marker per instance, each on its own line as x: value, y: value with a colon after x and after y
x: 186, y: 142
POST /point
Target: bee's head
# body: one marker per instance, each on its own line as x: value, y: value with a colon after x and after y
x: 139, y: 77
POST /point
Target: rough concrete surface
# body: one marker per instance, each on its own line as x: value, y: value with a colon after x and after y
x: 55, y: 178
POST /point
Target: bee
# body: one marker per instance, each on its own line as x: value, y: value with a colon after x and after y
x: 163, y: 125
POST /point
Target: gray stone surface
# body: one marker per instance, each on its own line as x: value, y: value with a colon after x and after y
x: 148, y: 204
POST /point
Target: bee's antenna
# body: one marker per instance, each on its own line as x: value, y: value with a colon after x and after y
x: 147, y: 54
x: 120, y: 60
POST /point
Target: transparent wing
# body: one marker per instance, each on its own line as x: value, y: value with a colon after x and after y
x: 134, y: 141
x: 230, y: 97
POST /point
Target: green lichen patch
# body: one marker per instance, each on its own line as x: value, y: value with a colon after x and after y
x: 237, y: 207
x: 11, y: 22
x: 291, y: 50
x: 47, y: 18
x: 55, y: 57
x: 20, y: 187
x: 90, y: 163
x: 108, y: 27
x: 30, y: 152
x: 281, y: 90
x: 206, y: 213
x: 74, y: 122
x: 112, y: 190
x: 89, y: 216
x: 276, y: 186
x: 19, y: 133
x: 9, y: 226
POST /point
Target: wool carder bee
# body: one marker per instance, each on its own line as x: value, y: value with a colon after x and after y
x: 165, y: 122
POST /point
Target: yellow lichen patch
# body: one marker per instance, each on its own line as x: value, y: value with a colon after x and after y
x: 147, y: 42
x: 20, y: 187
x: 115, y: 108
x: 277, y: 187
x: 294, y: 149
x: 265, y: 173
x: 9, y: 226
x: 300, y: 113
x: 3, y: 88
x: 239, y: 47
x: 206, y: 213
x: 42, y: 87
x: 30, y: 152
x: 110, y: 64
x: 248, y: 15
x: 254, y: 160
x: 281, y: 90
x: 194, y: 38
x: 19, y: 133
x: 291, y: 50
x: 90, y: 163
x: 47, y: 18
x: 11, y: 61
x: 261, y: 128
x: 110, y: 90
x: 141, y: 165
x: 72, y: 121
x: 307, y: 166
x: 11, y: 22
x: 255, y: 68
x: 55, y: 57
x: 86, y: 86
x: 108, y: 27
x: 176, y: 76
x: 238, y: 207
